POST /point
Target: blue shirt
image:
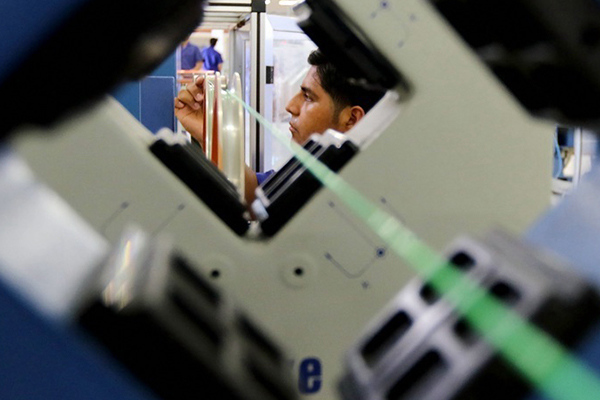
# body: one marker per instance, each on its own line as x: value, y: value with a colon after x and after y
x: 262, y: 176
x: 212, y: 59
x: 190, y: 55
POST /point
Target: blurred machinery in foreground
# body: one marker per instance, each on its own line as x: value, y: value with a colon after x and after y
x: 50, y: 48
x: 314, y: 277
x: 178, y: 335
x: 546, y: 53
x: 421, y: 348
x: 143, y: 302
x: 175, y: 331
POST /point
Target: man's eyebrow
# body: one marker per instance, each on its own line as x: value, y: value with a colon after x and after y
x: 308, y: 91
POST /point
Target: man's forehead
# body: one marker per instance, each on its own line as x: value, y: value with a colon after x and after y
x: 312, y: 82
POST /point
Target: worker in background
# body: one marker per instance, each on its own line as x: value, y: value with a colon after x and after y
x: 191, y: 56
x: 212, y: 58
x: 326, y: 100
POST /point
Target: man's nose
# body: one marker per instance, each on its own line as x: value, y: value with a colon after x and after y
x: 292, y: 106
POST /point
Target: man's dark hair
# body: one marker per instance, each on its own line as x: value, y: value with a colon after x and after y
x: 213, y: 42
x: 343, y: 90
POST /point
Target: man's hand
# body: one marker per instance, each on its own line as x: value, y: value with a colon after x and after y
x: 189, y: 108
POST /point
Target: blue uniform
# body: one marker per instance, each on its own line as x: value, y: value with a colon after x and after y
x: 212, y: 59
x: 262, y: 176
x: 190, y: 55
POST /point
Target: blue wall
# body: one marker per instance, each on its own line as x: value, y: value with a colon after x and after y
x: 151, y: 99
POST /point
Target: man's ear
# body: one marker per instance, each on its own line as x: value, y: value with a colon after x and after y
x: 356, y: 114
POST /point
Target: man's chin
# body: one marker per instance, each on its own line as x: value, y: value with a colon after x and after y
x: 295, y: 135
x: 297, y: 138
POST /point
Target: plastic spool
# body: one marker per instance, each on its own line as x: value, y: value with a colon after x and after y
x: 233, y: 136
x: 217, y: 124
x: 209, y: 101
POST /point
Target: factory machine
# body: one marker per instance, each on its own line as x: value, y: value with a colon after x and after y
x: 131, y: 268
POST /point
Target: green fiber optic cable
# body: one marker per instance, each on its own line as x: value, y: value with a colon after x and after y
x: 543, y: 361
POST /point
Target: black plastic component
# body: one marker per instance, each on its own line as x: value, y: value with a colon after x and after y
x: 210, y: 331
x: 255, y: 336
x: 505, y: 293
x: 422, y: 372
x: 462, y: 261
x: 429, y: 294
x: 293, y: 185
x: 546, y: 52
x: 182, y: 267
x: 390, y: 333
x: 206, y: 181
x: 154, y: 355
x: 74, y: 74
x: 266, y: 381
x: 464, y: 331
x: 347, y: 47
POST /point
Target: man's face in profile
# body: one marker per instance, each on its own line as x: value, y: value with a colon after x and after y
x: 312, y: 109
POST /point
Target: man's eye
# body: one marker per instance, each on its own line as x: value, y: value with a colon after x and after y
x: 307, y: 97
